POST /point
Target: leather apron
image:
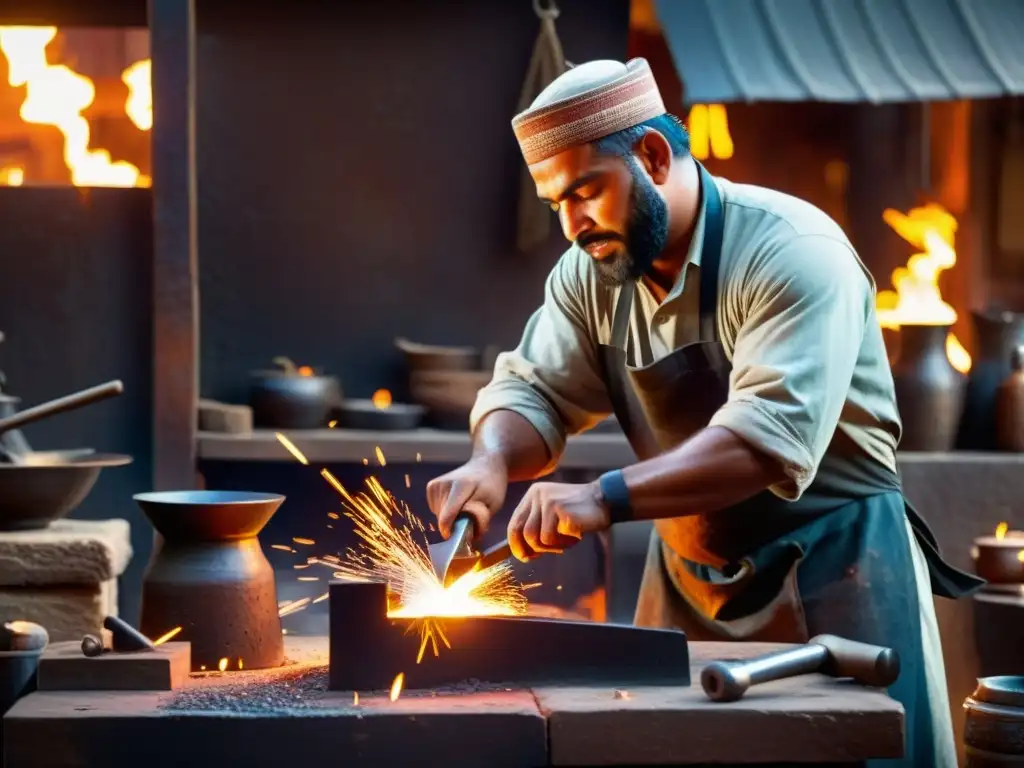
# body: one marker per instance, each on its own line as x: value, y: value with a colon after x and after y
x: 772, y: 570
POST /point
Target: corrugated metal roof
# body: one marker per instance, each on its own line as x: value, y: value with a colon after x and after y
x: 845, y: 50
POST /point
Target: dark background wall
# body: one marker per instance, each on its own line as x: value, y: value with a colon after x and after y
x: 357, y: 182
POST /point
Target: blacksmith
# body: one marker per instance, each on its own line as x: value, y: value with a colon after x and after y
x: 731, y: 329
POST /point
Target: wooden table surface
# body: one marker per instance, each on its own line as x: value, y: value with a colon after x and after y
x: 811, y: 719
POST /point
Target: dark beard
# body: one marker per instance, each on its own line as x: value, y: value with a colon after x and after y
x: 646, y: 234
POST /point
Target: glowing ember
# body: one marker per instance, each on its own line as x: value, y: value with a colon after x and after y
x: 322, y: 597
x: 56, y: 95
x: 240, y: 666
x: 917, y: 299
x: 1001, y: 530
x: 304, y: 542
x: 167, y: 636
x: 309, y: 578
x: 292, y: 448
x: 406, y: 481
x: 355, y: 699
x: 332, y: 423
x: 381, y: 399
x: 304, y: 370
x: 282, y: 547
x: 1020, y: 556
x: 396, y: 687
x: 222, y: 664
x: 333, y: 515
x: 380, y: 456
x: 393, y: 549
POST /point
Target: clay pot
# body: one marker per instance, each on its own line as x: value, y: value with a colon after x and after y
x: 1010, y: 406
x: 997, y: 335
x: 994, y: 723
x: 293, y: 398
x: 427, y: 357
x: 929, y: 390
x: 210, y: 576
x: 998, y: 560
x: 448, y: 395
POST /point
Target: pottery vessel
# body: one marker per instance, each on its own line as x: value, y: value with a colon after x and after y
x: 929, y: 390
x: 210, y: 577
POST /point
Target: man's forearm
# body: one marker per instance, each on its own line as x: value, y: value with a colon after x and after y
x: 713, y: 470
x: 512, y: 439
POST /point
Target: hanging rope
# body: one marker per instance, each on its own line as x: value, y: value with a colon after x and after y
x: 546, y: 64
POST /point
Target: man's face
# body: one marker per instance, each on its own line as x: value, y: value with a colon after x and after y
x: 608, y: 206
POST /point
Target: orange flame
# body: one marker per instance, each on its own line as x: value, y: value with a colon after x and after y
x: 917, y: 299
x: 381, y: 399
x: 708, y: 125
x: 1001, y: 530
x: 222, y: 664
x: 56, y: 95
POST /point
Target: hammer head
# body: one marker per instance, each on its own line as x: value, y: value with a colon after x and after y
x: 456, y: 555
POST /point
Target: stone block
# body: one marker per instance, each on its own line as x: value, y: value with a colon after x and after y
x: 68, y: 552
x: 224, y: 417
x: 63, y: 667
x: 67, y: 613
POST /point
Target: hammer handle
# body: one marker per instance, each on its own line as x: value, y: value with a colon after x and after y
x: 870, y: 665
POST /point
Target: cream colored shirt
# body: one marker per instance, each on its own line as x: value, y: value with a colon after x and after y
x: 795, y: 313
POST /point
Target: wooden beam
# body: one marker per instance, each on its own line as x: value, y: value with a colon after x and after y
x: 175, y: 258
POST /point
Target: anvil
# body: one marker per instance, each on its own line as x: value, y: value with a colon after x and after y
x: 368, y: 649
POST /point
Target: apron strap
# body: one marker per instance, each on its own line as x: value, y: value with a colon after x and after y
x: 710, y: 261
x: 620, y: 319
x: 710, y: 255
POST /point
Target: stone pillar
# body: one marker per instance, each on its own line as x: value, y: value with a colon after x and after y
x: 64, y: 577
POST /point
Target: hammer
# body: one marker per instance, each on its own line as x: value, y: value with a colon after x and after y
x: 871, y: 665
x: 456, y: 556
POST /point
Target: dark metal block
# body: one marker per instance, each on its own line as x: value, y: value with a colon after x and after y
x: 367, y: 649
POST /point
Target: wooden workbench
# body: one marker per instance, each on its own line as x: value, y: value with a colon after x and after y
x: 808, y: 720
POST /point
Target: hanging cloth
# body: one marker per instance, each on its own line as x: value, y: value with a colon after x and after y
x: 546, y: 64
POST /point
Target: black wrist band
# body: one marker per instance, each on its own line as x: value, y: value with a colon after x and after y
x: 616, y: 496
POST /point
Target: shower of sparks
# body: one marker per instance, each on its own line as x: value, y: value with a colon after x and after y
x: 393, y: 549
x: 380, y: 456
x: 167, y: 636
x: 292, y: 606
x: 292, y: 448
x: 396, y: 687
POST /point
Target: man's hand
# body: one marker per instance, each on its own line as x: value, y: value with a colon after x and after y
x: 483, y: 480
x: 554, y: 516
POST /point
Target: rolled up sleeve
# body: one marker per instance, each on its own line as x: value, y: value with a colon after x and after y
x: 552, y: 378
x: 807, y: 305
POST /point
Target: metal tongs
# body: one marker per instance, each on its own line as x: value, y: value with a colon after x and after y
x: 456, y: 556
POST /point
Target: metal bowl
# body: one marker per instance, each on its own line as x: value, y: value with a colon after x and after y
x: 35, y: 494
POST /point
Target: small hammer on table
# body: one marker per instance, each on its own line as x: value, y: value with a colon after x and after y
x: 871, y: 665
x: 456, y: 556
